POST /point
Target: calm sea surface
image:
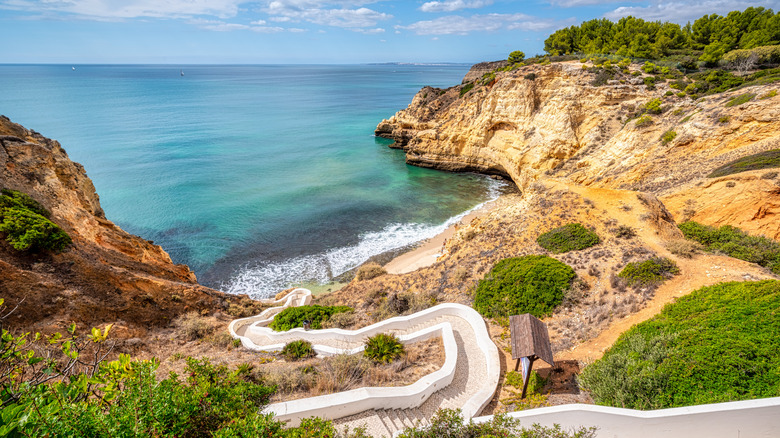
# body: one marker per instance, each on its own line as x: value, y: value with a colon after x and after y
x: 257, y: 177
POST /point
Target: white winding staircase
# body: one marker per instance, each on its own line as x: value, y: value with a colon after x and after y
x: 467, y: 380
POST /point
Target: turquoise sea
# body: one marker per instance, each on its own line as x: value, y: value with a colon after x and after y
x: 257, y: 177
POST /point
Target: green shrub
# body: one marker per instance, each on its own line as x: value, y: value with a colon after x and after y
x: 293, y: 317
x: 739, y: 100
x: 448, y: 423
x: 643, y: 121
x: 570, y: 237
x: 649, y: 272
x: 383, y: 348
x: 516, y: 57
x: 768, y: 95
x: 653, y: 106
x: 16, y: 198
x: 533, y: 284
x: 487, y: 78
x: 535, y: 382
x: 724, y: 119
x: 668, y: 136
x: 720, y: 343
x: 735, y: 243
x: 26, y: 225
x: 27, y: 230
x: 763, y: 160
x: 466, y: 88
x: 297, y: 350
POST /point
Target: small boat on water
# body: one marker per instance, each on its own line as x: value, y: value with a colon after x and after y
x: 74, y: 68
x: 181, y: 72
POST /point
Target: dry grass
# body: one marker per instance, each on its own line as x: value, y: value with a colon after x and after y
x: 193, y: 326
x: 369, y: 271
x: 684, y: 248
x: 344, y: 372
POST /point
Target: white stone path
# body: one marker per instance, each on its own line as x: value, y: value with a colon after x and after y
x: 467, y: 381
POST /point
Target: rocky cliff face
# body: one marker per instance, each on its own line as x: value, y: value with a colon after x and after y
x: 107, y: 275
x: 551, y: 122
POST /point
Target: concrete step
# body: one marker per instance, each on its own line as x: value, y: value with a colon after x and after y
x: 386, y: 422
x: 397, y: 422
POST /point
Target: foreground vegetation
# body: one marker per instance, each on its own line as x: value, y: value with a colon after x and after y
x: 735, y: 243
x: 63, y: 386
x: 449, y: 423
x: 720, y: 343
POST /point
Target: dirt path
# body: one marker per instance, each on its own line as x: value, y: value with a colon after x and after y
x: 699, y: 271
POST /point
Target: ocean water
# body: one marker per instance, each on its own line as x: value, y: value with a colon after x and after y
x: 257, y: 177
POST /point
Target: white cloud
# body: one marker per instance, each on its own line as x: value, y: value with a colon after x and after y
x: 575, y: 3
x: 457, y: 25
x: 120, y: 9
x: 534, y: 26
x: 454, y: 5
x: 308, y: 11
x: 222, y: 26
x: 371, y: 31
x: 682, y: 11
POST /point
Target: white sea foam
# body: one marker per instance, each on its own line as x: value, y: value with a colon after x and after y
x: 267, y: 279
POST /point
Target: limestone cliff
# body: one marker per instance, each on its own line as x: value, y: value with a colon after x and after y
x: 552, y: 122
x: 107, y: 275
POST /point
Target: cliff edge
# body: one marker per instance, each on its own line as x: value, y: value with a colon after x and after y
x: 106, y: 275
x: 567, y: 122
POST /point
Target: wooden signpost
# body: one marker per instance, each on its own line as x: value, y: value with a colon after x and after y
x: 530, y: 342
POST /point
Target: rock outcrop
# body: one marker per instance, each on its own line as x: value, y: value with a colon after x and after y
x: 478, y: 70
x: 561, y: 122
x: 551, y: 121
x: 106, y: 275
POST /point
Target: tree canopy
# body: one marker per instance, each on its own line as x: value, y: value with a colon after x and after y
x: 710, y: 37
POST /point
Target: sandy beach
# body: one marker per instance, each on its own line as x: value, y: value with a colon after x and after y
x: 429, y: 251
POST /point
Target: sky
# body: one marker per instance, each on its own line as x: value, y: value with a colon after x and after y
x: 308, y: 31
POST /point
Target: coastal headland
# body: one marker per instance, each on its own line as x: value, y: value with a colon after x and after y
x: 627, y: 161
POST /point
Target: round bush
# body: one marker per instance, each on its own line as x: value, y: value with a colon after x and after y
x: 649, y: 272
x: 299, y: 349
x: 383, y: 348
x: 293, y: 317
x: 532, y: 284
x: 569, y: 237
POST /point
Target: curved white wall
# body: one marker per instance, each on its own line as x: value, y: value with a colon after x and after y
x: 351, y: 402
x: 744, y: 419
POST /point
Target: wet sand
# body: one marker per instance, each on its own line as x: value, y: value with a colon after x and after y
x: 429, y: 251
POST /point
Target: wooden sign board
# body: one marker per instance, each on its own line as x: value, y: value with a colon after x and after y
x: 529, y: 338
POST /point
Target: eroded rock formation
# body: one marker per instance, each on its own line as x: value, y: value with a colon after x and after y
x: 550, y: 121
